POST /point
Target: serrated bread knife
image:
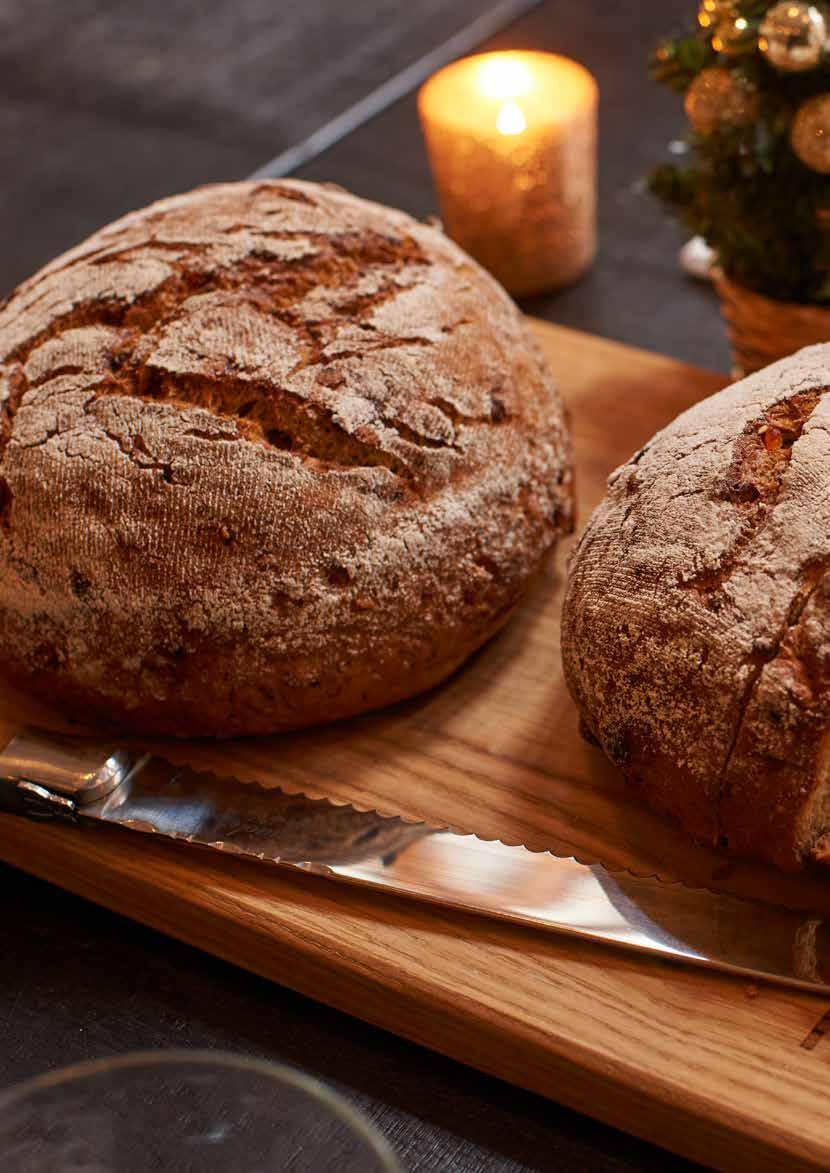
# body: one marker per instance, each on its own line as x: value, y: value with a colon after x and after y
x: 48, y: 777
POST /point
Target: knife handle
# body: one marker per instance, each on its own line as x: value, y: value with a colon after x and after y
x: 47, y: 776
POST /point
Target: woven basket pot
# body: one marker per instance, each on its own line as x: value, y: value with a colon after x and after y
x: 762, y: 329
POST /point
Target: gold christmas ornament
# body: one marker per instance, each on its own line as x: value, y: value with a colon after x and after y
x: 734, y: 35
x: 794, y: 35
x: 718, y: 97
x: 810, y: 134
x: 712, y: 12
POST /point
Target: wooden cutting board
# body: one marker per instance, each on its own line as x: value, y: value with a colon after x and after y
x: 730, y: 1074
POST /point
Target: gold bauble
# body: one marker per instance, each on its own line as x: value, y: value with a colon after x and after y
x: 712, y: 12
x: 794, y: 35
x: 718, y: 97
x: 733, y: 36
x: 810, y: 134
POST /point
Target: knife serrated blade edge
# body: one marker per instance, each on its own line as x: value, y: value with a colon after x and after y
x: 417, y: 861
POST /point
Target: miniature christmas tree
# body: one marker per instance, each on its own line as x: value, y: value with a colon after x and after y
x: 755, y: 182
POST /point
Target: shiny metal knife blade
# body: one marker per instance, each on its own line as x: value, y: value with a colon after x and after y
x: 45, y: 777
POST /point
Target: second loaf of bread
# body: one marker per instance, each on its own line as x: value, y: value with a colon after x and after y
x: 696, y: 632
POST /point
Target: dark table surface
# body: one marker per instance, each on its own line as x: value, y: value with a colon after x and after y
x: 77, y: 982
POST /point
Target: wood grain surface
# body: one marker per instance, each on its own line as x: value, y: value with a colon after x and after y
x: 716, y: 1069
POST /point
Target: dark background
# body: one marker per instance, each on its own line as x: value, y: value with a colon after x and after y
x: 106, y: 105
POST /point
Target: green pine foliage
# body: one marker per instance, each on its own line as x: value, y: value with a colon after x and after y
x: 743, y: 189
x: 676, y: 63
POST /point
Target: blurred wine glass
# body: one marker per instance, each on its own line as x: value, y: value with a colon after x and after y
x: 184, y: 1112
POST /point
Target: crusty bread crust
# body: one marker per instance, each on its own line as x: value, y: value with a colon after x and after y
x: 272, y: 455
x: 696, y: 632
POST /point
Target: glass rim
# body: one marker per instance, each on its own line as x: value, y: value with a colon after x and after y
x: 337, y: 1104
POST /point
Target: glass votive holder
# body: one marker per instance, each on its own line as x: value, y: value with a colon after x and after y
x: 512, y: 143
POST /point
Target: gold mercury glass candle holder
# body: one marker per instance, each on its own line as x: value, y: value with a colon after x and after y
x: 511, y: 139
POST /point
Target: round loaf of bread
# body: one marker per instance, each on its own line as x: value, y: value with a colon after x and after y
x: 697, y: 619
x: 272, y: 455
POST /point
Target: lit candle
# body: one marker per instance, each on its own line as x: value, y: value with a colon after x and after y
x: 511, y: 139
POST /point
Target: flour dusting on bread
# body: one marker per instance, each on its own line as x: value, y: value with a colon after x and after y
x: 271, y: 455
x: 697, y: 619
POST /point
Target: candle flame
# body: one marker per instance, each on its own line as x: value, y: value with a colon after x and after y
x: 504, y: 75
x: 510, y: 119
